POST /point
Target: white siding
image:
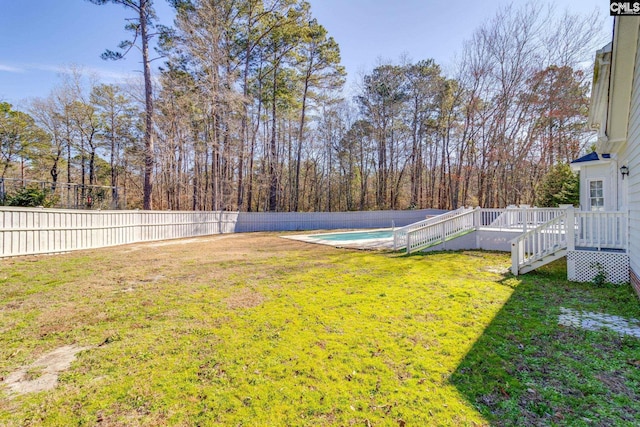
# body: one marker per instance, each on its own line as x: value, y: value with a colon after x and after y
x: 600, y: 171
x: 633, y: 162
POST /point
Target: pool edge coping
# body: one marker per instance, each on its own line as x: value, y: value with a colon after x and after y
x: 370, y: 244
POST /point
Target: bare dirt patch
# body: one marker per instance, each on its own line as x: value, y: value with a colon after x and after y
x: 497, y: 269
x: 42, y: 374
x: 245, y: 298
x: 616, y: 383
x: 174, y: 242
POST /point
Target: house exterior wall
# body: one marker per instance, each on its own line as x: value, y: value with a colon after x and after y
x: 600, y: 171
x: 615, y: 113
x: 623, y: 77
x: 632, y: 159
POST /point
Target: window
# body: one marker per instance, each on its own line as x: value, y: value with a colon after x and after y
x: 596, y: 195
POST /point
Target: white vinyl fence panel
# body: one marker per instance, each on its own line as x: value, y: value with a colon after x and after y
x: 294, y: 221
x: 41, y: 231
x: 31, y: 231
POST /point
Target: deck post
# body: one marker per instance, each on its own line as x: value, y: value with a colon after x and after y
x: 477, y: 218
x: 570, y: 227
x: 515, y: 258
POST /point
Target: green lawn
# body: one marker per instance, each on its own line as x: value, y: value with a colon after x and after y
x: 255, y: 330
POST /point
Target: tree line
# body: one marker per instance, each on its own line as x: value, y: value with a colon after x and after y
x: 249, y: 113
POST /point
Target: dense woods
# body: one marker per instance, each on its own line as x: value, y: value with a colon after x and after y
x: 250, y: 113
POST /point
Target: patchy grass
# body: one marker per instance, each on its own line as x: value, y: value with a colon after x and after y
x: 525, y: 369
x: 257, y: 330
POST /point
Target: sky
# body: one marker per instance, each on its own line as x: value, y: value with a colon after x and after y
x: 40, y: 39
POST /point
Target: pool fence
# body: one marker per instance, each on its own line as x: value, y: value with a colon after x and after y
x: 33, y: 231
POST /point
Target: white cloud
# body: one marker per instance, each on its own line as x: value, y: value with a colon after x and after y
x: 102, y: 73
x: 105, y: 74
x: 10, y: 69
x: 112, y: 75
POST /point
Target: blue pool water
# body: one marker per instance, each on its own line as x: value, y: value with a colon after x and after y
x: 358, y: 235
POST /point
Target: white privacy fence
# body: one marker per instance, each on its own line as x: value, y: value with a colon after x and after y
x: 41, y: 231
x: 26, y: 231
x: 292, y: 221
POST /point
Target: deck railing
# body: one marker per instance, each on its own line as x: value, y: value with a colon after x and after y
x: 571, y: 230
x: 400, y: 234
x: 517, y: 218
x: 601, y: 230
x: 541, y: 227
x: 441, y: 231
x: 539, y: 242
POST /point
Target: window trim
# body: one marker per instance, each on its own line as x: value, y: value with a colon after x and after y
x: 590, y: 198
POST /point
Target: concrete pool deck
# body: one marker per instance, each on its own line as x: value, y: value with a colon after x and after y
x: 368, y: 244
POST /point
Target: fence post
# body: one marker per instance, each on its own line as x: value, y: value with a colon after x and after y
x: 570, y: 228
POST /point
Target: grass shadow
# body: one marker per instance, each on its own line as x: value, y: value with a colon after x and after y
x: 526, y: 369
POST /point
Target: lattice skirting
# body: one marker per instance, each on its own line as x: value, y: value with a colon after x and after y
x: 584, y: 266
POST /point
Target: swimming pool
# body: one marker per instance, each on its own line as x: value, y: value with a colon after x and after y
x: 354, y: 235
x: 380, y: 239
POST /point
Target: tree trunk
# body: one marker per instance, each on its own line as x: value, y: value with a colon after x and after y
x: 273, y: 178
x: 296, y: 183
x: 148, y: 102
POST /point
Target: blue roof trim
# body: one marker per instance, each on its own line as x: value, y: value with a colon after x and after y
x: 591, y: 157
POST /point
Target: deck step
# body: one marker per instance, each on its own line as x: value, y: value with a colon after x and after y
x: 542, y: 261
